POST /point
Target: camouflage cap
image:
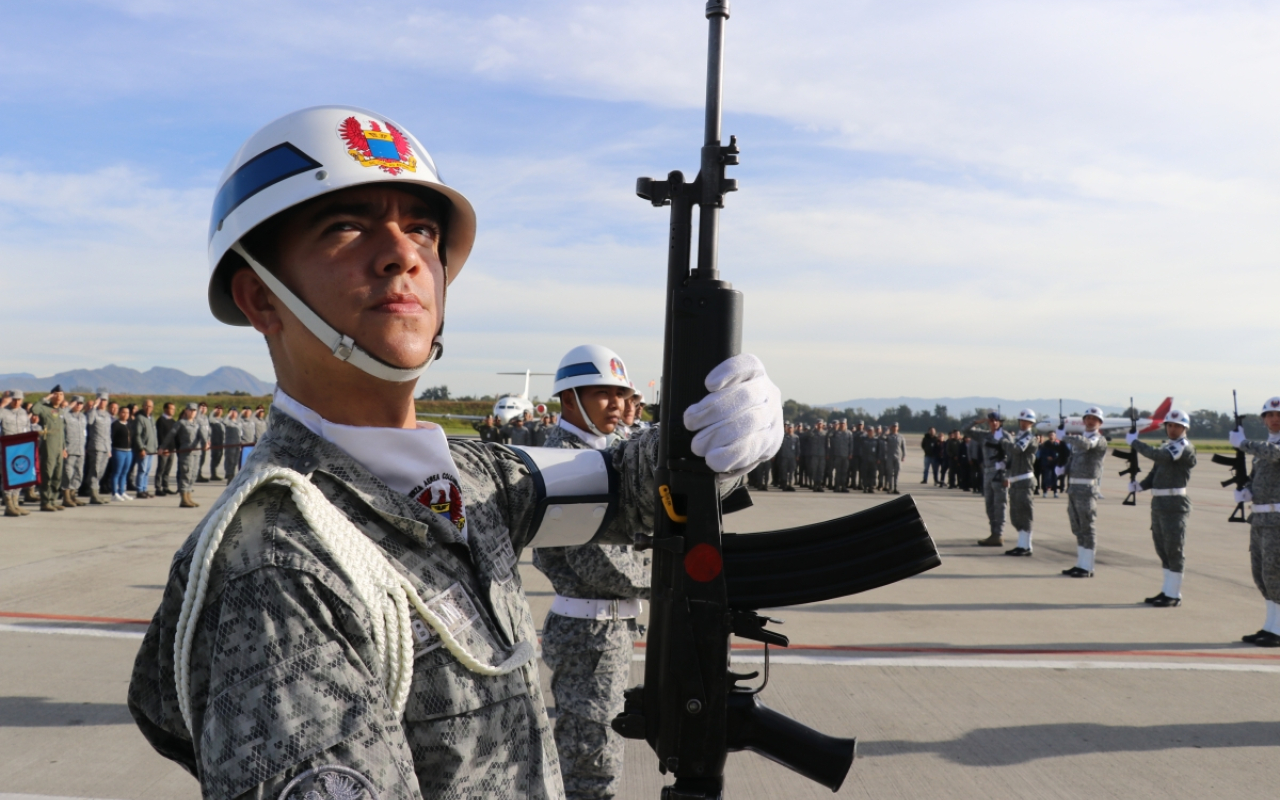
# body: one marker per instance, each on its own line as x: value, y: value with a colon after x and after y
x: 16, y: 394
x: 192, y: 407
x: 103, y: 396
x: 78, y: 399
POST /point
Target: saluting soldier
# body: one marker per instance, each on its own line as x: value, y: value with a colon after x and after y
x: 1170, y: 506
x: 231, y: 440
x: 350, y: 620
x: 73, y: 471
x: 1263, y: 491
x: 995, y: 492
x: 1084, y: 471
x: 1020, y: 455
x: 53, y: 447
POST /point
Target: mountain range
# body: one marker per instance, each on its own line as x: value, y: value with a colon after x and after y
x: 157, y: 380
x: 961, y: 405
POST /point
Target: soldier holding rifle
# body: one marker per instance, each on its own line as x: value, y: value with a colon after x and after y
x: 1170, y: 506
x: 1264, y: 523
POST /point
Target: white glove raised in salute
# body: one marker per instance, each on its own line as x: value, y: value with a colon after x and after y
x: 1062, y: 433
x: 739, y: 425
x: 1236, y: 437
x: 1130, y: 438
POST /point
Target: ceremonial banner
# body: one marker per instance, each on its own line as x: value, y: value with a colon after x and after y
x: 19, y: 461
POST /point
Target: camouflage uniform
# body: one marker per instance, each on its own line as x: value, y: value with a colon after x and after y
x: 232, y: 437
x: 206, y: 434
x: 185, y: 439
x: 590, y: 659
x: 841, y: 450
x: 895, y: 452
x: 1264, y: 527
x: 77, y: 432
x: 1172, y: 470
x: 994, y: 470
x: 785, y: 461
x: 1020, y: 458
x: 97, y: 450
x: 217, y: 438
x: 1084, y: 470
x: 867, y: 459
x: 816, y: 461
x: 283, y: 691
x: 53, y: 441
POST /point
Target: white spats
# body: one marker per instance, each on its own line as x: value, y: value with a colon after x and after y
x: 1084, y: 558
x: 1172, y: 584
x: 1024, y: 540
x: 1273, y: 618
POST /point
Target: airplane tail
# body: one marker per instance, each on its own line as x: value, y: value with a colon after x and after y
x: 1157, y: 418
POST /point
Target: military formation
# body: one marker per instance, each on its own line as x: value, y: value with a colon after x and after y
x: 92, y: 448
x: 836, y: 457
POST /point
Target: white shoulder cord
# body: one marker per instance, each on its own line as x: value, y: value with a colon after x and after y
x: 384, y: 591
x: 342, y: 346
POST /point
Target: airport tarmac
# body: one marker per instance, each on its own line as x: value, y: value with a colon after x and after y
x: 988, y: 677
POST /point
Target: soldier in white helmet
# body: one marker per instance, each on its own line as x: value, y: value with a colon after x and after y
x: 587, y: 637
x: 1264, y: 523
x: 349, y: 620
x: 1020, y: 455
x: 1084, y: 473
x: 1170, y: 506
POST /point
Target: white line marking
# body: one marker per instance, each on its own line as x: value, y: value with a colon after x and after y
x: 40, y: 797
x: 110, y: 634
x: 990, y: 663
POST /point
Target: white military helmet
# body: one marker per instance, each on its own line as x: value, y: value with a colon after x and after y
x: 1093, y: 411
x: 302, y: 156
x: 1027, y: 415
x: 1271, y: 405
x: 1178, y: 418
x: 590, y: 365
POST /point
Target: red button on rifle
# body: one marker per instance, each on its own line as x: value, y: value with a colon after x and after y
x: 703, y: 563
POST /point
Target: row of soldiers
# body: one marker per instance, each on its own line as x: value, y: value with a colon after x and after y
x: 865, y: 457
x: 84, y: 442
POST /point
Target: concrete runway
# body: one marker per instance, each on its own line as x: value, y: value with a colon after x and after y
x: 989, y: 677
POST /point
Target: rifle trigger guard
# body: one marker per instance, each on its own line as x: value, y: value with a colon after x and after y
x: 665, y: 492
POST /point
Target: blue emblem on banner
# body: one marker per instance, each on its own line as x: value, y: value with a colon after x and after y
x: 20, y: 461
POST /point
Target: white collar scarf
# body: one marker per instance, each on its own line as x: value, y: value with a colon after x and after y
x: 595, y: 442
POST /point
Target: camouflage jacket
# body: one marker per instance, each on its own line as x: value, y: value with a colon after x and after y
x: 1173, y: 464
x: 1087, y: 454
x: 1020, y: 453
x: 788, y: 450
x: 593, y: 571
x: 1264, y: 479
x: 284, y: 697
x: 992, y: 449
x: 841, y: 444
x: 895, y: 447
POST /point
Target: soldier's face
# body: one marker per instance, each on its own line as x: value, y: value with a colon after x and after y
x: 1272, y: 419
x: 603, y: 405
x: 366, y: 260
x: 1091, y: 423
x: 1024, y: 424
x: 1174, y: 431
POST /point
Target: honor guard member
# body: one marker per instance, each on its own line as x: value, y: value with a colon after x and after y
x: 185, y: 440
x: 1264, y: 523
x: 348, y: 620
x: 206, y: 433
x: 1084, y: 471
x: 231, y: 443
x: 13, y: 420
x: 1170, y: 506
x: 995, y: 492
x: 73, y: 470
x: 587, y: 637
x: 53, y: 447
x: 97, y: 448
x: 895, y: 448
x: 217, y: 439
x: 1020, y: 456
x: 785, y: 461
x: 841, y: 451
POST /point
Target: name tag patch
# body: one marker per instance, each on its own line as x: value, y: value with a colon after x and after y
x: 454, y: 607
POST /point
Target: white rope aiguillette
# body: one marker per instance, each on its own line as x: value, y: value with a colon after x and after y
x: 384, y: 591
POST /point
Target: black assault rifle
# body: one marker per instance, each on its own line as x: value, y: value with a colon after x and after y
x: 1239, y: 466
x: 707, y: 584
x: 1130, y: 456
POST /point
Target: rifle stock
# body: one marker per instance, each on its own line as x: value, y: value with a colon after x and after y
x: 707, y: 586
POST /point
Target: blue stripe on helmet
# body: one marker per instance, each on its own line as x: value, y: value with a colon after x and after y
x: 574, y: 370
x: 265, y: 169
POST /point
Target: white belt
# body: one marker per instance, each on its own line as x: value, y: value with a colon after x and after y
x: 581, y: 608
x: 1081, y: 481
x: 1024, y: 477
x: 1266, y: 508
x: 1170, y: 493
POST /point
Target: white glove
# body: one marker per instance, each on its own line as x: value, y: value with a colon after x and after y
x: 1243, y: 495
x: 1134, y: 487
x: 1130, y: 438
x: 739, y: 425
x: 1236, y: 437
x: 1062, y: 433
x: 1059, y: 471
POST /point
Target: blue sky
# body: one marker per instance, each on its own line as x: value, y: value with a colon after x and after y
x: 1013, y: 199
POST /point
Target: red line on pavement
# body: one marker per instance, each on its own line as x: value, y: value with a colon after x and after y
x: 1004, y: 651
x: 65, y: 618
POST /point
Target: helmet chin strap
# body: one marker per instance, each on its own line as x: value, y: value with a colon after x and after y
x: 591, y: 426
x: 343, y: 347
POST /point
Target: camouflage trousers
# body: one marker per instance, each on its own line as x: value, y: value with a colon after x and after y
x: 996, y: 497
x: 842, y: 473
x: 95, y: 467
x: 233, y: 462
x: 1169, y: 530
x: 188, y: 463
x: 891, y: 470
x: 51, y: 464
x: 817, y: 470
x: 786, y: 472
x: 869, y: 473
x: 1264, y: 555
x: 1082, y: 511
x: 855, y: 473
x: 1021, y: 504
x: 591, y: 668
x: 215, y: 458
x: 164, y: 468
x: 72, y: 473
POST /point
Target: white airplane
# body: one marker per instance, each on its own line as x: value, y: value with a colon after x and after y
x: 1051, y: 423
x: 508, y: 406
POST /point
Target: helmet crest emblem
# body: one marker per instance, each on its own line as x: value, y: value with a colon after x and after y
x: 388, y: 150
